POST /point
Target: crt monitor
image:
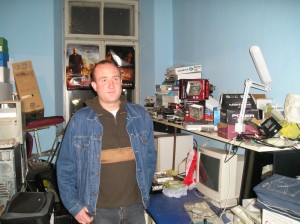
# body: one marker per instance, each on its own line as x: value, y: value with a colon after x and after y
x: 219, y: 176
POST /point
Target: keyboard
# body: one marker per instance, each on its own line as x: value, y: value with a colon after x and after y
x: 7, y: 143
x: 200, y: 212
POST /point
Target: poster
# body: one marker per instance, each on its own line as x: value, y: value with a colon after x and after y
x: 80, y: 60
x: 124, y: 58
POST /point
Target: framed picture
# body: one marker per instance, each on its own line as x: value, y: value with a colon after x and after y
x: 124, y: 58
x: 80, y: 60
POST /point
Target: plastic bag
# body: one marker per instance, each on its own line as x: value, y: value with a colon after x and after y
x: 190, y: 169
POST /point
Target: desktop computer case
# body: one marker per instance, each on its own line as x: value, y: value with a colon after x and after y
x: 13, y: 171
x: 164, y: 145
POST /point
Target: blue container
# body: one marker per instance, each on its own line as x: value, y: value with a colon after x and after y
x: 4, y: 56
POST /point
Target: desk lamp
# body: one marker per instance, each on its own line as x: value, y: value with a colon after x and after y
x: 265, y: 79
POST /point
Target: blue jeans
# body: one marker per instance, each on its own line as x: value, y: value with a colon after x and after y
x: 125, y: 215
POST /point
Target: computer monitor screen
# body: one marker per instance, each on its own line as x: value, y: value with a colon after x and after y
x: 219, y: 176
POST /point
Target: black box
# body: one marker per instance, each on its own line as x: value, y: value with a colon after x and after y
x: 234, y: 101
x: 29, y: 208
x: 230, y: 116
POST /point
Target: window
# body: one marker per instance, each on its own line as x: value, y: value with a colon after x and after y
x: 96, y: 29
x: 102, y: 19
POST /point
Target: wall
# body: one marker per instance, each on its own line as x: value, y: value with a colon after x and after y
x: 218, y: 34
x: 214, y: 33
x: 33, y: 29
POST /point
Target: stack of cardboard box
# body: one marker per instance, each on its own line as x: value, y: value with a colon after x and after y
x: 5, y: 87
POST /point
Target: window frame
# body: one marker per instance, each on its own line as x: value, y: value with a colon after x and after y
x: 102, y: 3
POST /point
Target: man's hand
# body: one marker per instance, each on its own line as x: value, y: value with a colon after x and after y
x: 83, y: 218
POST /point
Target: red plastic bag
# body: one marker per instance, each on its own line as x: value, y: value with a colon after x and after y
x: 190, y: 168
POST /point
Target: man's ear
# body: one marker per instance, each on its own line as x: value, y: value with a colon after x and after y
x: 93, y: 84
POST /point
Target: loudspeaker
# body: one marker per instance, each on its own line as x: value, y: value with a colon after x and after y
x: 29, y: 208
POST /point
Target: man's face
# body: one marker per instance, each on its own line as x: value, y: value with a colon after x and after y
x: 107, y: 83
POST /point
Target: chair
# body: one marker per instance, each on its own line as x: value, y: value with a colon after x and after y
x: 35, y: 126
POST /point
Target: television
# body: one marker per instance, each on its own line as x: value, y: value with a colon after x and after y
x: 219, y: 176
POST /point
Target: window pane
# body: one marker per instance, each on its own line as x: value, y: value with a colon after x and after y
x: 85, y: 19
x: 118, y: 20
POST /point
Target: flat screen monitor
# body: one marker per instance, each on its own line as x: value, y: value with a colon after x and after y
x: 219, y: 176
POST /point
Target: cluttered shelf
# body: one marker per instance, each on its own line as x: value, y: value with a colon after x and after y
x: 247, y: 144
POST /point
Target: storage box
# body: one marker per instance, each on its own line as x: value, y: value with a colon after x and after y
x: 3, y: 42
x: 275, y: 218
x: 184, y: 69
x: 3, y: 49
x: 4, y: 56
x: 3, y: 63
x: 164, y: 100
x: 230, y: 116
x: 194, y: 89
x: 28, y: 89
x: 4, y: 74
x: 228, y: 130
x: 234, y: 101
x: 194, y: 111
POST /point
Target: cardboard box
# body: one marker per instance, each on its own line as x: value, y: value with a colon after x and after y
x: 228, y: 130
x: 28, y: 90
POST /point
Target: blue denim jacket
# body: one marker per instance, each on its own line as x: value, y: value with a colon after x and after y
x: 78, y: 163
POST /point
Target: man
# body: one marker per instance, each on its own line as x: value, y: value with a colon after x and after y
x: 107, y: 158
x: 75, y: 62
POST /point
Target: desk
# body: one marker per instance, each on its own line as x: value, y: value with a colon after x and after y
x: 254, y: 152
x: 214, y: 135
x: 165, y: 210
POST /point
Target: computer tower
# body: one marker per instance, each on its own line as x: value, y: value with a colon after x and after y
x: 164, y: 144
x: 13, y: 166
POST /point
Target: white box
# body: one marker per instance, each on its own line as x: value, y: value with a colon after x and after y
x: 269, y: 217
x: 184, y: 69
x: 4, y: 74
x: 164, y: 144
x: 192, y: 75
x: 164, y: 100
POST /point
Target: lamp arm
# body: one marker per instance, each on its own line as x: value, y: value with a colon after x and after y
x: 240, y: 126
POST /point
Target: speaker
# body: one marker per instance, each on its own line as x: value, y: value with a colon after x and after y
x: 29, y: 208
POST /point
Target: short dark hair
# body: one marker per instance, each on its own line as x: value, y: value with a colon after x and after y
x: 103, y: 62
